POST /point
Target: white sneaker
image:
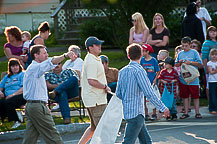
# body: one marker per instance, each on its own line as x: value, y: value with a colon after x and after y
x: 56, y: 107
x: 16, y: 125
x: 20, y: 116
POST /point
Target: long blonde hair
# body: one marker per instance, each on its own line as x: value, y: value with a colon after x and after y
x: 163, y: 23
x: 140, y: 26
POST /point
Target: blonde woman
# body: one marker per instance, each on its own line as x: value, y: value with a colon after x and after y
x: 139, y: 32
x: 159, y: 35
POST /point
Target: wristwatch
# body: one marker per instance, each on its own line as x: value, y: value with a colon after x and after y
x: 191, y: 62
x: 65, y: 55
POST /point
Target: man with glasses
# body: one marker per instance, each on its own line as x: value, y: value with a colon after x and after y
x: 63, y: 85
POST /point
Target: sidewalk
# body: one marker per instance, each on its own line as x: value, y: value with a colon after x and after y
x: 77, y: 127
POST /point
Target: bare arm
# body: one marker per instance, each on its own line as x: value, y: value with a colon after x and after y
x: 1, y: 93
x: 39, y: 41
x: 50, y: 86
x: 145, y: 36
x: 58, y: 59
x: 20, y: 91
x: 164, y: 42
x: 10, y: 55
x: 212, y: 71
x: 97, y: 84
x: 205, y: 65
x: 197, y: 64
x: 153, y: 42
x: 131, y: 36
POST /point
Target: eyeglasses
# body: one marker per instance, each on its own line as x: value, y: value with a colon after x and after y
x: 193, y: 46
x: 133, y: 20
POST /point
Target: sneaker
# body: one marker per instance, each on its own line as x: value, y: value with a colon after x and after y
x: 174, y: 117
x: 20, y: 116
x: 56, y: 107
x: 67, y: 121
x: 16, y: 124
x: 52, y: 94
x: 146, y: 117
x: 153, y: 117
x: 168, y: 118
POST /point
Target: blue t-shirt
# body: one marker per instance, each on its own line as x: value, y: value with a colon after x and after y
x: 151, y: 67
x: 12, y: 84
x: 191, y: 55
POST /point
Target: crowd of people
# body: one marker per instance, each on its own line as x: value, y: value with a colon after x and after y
x: 33, y: 78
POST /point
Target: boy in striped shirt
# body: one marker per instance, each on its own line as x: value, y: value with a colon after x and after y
x: 167, y: 76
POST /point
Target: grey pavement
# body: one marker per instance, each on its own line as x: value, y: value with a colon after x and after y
x: 78, y: 127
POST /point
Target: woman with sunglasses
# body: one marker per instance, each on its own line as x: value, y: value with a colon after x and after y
x: 159, y: 35
x: 139, y: 32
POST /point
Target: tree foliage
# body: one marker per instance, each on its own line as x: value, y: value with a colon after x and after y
x: 119, y: 12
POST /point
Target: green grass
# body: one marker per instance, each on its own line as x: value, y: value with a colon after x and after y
x: 58, y: 121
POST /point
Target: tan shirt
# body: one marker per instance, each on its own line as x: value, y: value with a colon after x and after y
x: 112, y: 75
x: 93, y: 69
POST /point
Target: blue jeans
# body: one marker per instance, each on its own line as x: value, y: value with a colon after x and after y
x: 136, y: 128
x: 212, y: 96
x: 173, y: 110
x: 68, y: 89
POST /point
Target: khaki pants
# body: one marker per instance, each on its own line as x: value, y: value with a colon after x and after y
x: 40, y: 122
x: 95, y: 113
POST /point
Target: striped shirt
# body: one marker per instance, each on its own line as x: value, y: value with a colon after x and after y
x: 168, y: 77
x: 133, y: 85
x: 206, y: 47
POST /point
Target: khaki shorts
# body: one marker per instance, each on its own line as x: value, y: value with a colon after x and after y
x: 95, y: 114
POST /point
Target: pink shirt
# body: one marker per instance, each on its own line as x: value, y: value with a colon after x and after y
x: 14, y: 50
x: 138, y: 37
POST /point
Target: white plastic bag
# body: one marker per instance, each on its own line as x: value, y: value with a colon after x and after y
x: 109, y: 124
x: 156, y: 91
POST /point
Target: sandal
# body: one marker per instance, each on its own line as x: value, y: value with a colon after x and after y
x: 184, y: 116
x: 198, y: 116
x: 183, y: 110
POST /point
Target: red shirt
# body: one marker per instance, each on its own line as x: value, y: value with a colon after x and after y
x: 168, y: 77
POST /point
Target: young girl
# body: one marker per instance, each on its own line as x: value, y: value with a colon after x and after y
x: 212, y: 80
x: 150, y: 65
x: 209, y: 44
x: 139, y: 32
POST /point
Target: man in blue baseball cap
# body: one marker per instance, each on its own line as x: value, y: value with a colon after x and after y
x: 94, y: 86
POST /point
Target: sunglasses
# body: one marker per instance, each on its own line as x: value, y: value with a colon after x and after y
x: 133, y: 20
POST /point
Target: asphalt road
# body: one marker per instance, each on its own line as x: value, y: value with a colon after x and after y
x: 188, y: 131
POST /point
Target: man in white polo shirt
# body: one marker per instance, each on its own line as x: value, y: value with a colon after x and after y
x: 94, y: 86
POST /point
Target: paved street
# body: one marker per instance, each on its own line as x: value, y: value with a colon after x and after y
x: 189, y: 131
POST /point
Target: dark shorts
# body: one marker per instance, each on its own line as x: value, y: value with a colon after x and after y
x: 95, y: 113
x: 189, y: 90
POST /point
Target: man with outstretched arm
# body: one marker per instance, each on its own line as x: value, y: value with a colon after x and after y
x: 39, y: 119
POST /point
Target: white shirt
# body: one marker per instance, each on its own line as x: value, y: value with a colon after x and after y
x: 75, y: 65
x: 93, y: 69
x: 203, y: 13
x: 212, y: 77
x: 26, y: 45
x: 34, y: 84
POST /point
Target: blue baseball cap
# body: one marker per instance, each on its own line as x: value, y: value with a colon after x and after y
x: 93, y: 40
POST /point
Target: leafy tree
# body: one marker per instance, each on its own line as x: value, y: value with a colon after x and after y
x: 119, y: 12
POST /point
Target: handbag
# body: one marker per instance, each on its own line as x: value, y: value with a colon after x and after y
x: 149, y: 105
x: 168, y: 97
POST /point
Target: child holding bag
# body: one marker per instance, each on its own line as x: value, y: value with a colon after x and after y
x: 151, y: 67
x: 169, y: 77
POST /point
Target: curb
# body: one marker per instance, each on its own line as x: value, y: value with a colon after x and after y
x: 62, y: 129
